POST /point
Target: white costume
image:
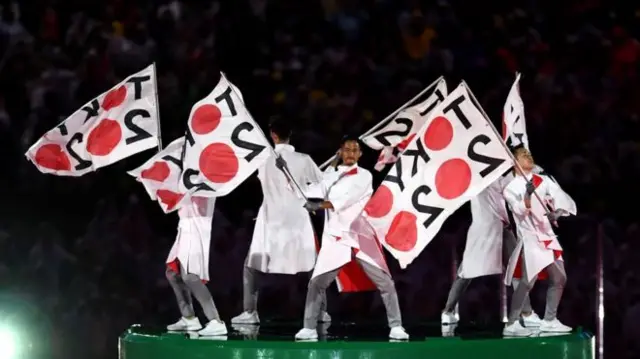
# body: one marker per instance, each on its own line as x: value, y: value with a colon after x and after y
x: 538, y: 249
x: 283, y: 238
x: 188, y: 267
x: 192, y: 244
x: 348, y: 189
x: 483, y: 249
x: 537, y: 239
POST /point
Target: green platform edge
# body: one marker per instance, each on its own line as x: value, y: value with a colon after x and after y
x: 133, y: 345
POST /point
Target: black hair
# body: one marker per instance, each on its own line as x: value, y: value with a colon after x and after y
x: 349, y: 138
x: 280, y: 127
x: 516, y: 148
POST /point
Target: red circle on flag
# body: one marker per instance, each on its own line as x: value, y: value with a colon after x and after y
x: 453, y: 178
x: 53, y: 157
x: 104, y: 137
x: 381, y: 203
x: 206, y: 118
x: 218, y: 163
x: 114, y: 98
x: 403, y: 232
x: 158, y: 172
x: 169, y: 198
x: 439, y: 134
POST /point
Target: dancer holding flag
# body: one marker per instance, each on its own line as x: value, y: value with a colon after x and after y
x: 283, y: 238
x: 539, y: 249
x: 490, y: 242
x: 188, y: 267
x: 188, y: 260
x: 345, y: 192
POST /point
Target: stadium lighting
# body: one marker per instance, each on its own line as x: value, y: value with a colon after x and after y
x: 8, y: 343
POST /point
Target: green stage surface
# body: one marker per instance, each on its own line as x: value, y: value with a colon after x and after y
x: 276, y: 342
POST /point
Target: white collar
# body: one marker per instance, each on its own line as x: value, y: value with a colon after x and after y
x: 284, y: 147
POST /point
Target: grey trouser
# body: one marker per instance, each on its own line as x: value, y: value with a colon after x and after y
x: 460, y: 284
x: 557, y: 281
x: 380, y: 278
x: 184, y: 286
x: 250, y: 289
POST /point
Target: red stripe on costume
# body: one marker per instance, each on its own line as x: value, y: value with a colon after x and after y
x: 352, y: 171
x: 175, y: 267
x: 353, y: 279
x: 536, y: 180
x: 517, y: 272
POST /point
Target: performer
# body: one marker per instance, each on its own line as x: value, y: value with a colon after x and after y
x: 283, y: 238
x: 345, y: 193
x: 490, y: 242
x: 188, y: 268
x: 538, y: 248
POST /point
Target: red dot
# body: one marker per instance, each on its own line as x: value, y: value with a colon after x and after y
x: 53, y: 157
x: 169, y: 198
x: 218, y: 163
x: 381, y: 203
x: 205, y: 119
x: 104, y: 137
x: 402, y: 145
x: 114, y: 98
x: 453, y: 178
x: 439, y: 134
x: 158, y: 172
x: 403, y: 232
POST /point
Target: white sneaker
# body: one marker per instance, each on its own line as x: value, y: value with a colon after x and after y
x: 516, y: 330
x: 307, y: 334
x: 531, y: 321
x: 214, y: 328
x: 246, y: 318
x: 554, y: 326
x: 449, y: 318
x: 185, y: 325
x: 448, y: 330
x: 398, y: 333
x: 325, y: 318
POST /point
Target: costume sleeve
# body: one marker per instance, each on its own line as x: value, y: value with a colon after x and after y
x: 312, y: 173
x: 355, y: 193
x: 561, y: 200
x: 516, y: 202
x: 204, y: 205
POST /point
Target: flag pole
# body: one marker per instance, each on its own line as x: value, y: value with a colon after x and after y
x: 516, y: 165
x: 286, y: 171
x: 155, y: 81
x: 388, y: 118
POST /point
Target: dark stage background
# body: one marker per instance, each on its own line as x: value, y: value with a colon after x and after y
x: 81, y: 259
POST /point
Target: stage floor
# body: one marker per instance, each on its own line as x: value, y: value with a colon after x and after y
x: 350, y: 341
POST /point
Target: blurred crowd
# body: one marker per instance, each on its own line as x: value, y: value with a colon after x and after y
x: 88, y: 253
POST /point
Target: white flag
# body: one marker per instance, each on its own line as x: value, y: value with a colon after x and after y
x: 514, y: 129
x: 223, y: 146
x: 453, y: 157
x: 160, y: 176
x: 117, y: 124
x: 393, y: 137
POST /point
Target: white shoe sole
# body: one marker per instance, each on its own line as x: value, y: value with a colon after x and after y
x: 212, y: 333
x: 398, y: 338
x: 245, y: 321
x: 187, y: 329
x: 547, y: 330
